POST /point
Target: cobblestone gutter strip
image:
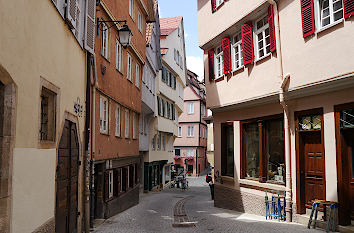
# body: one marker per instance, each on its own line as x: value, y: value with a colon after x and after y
x: 180, y: 216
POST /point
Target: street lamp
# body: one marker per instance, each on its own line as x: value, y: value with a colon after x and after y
x: 125, y: 34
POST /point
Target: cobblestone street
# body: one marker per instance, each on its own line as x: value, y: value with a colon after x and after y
x: 161, y: 211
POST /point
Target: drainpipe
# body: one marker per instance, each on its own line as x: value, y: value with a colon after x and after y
x: 284, y: 81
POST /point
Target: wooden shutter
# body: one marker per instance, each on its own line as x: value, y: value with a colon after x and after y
x: 71, y: 12
x: 307, y: 15
x: 271, y: 29
x: 348, y: 8
x: 226, y: 53
x: 211, y: 65
x: 90, y: 26
x: 247, y: 43
x: 213, y: 6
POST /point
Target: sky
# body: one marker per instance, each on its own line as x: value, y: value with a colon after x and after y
x: 187, y: 9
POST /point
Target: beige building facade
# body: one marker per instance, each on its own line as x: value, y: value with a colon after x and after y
x: 43, y: 81
x: 280, y: 78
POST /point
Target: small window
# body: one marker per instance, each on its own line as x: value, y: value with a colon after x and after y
x: 262, y: 38
x: 118, y: 121
x: 134, y: 126
x: 311, y: 122
x: 129, y: 67
x: 329, y: 12
x: 190, y: 108
x: 179, y: 131
x: 237, y: 55
x: 219, y: 66
x: 110, y: 183
x: 131, y: 8
x: 127, y: 123
x: 139, y: 22
x: 159, y: 141
x: 103, y: 115
x: 153, y: 143
x: 104, y: 41
x: 137, y: 75
x: 177, y: 152
x: 48, y: 115
x: 164, y: 142
x: 190, y: 131
x: 118, y: 55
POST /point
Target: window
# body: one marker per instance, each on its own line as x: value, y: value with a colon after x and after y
x: 131, y: 176
x: 134, y: 125
x: 329, y: 12
x: 177, y: 152
x: 118, y: 121
x: 219, y: 66
x: 190, y: 108
x: 262, y: 38
x: 219, y: 2
x: 310, y: 122
x: 173, y: 111
x: 139, y: 22
x: 179, y: 131
x: 153, y: 143
x: 268, y: 164
x: 127, y: 123
x: 159, y: 141
x: 190, y: 153
x: 180, y: 90
x: 237, y: 52
x: 131, y: 8
x: 178, y: 58
x: 48, y: 115
x: 129, y: 67
x: 118, y: 55
x: 110, y: 183
x: 137, y: 75
x: 104, y: 41
x: 164, y: 142
x: 103, y: 115
x: 168, y: 110
x: 190, y: 131
x: 227, y: 149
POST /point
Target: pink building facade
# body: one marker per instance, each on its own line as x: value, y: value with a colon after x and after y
x: 191, y: 143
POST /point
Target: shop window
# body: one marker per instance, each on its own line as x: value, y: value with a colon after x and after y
x: 131, y: 176
x: 227, y: 150
x: 48, y: 115
x: 124, y: 179
x: 263, y: 155
x: 136, y: 173
x: 110, y: 184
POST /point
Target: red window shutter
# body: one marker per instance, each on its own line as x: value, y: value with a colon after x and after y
x: 273, y: 45
x: 247, y: 43
x: 348, y: 8
x: 226, y: 53
x: 213, y: 6
x: 307, y: 15
x: 211, y: 65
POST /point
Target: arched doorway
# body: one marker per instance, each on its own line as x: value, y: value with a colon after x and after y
x: 7, y: 138
x: 66, y: 210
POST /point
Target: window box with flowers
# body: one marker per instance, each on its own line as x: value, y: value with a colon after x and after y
x: 177, y: 157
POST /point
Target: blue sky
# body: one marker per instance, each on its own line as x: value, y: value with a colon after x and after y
x: 187, y: 9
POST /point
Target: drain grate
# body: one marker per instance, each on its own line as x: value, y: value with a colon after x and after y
x: 180, y: 216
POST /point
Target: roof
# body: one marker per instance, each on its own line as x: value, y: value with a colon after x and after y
x: 164, y: 51
x: 168, y: 25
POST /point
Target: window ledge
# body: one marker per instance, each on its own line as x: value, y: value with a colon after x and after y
x: 329, y: 26
x: 259, y: 59
x: 221, y: 77
x: 254, y: 183
x: 240, y: 68
x: 104, y: 133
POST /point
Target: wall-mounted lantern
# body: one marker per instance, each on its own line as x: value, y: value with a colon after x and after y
x: 125, y: 34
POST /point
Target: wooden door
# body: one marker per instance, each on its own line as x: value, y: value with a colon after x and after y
x: 314, y: 169
x: 347, y: 141
x: 67, y: 180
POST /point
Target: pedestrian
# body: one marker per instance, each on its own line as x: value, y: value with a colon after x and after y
x: 211, y: 186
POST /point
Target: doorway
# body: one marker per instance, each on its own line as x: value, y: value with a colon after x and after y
x: 311, y: 182
x: 66, y: 210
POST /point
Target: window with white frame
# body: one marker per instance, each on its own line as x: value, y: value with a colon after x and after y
x: 129, y: 67
x: 190, y: 108
x: 179, y: 131
x: 219, y: 2
x: 190, y: 131
x: 153, y: 143
x: 127, y: 124
x: 262, y: 38
x: 131, y: 8
x: 190, y: 153
x: 118, y: 55
x: 118, y: 121
x: 137, y: 75
x: 104, y: 40
x: 237, y: 57
x: 219, y: 66
x: 329, y: 12
x: 139, y: 21
x: 134, y: 125
x: 103, y: 115
x: 110, y: 183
